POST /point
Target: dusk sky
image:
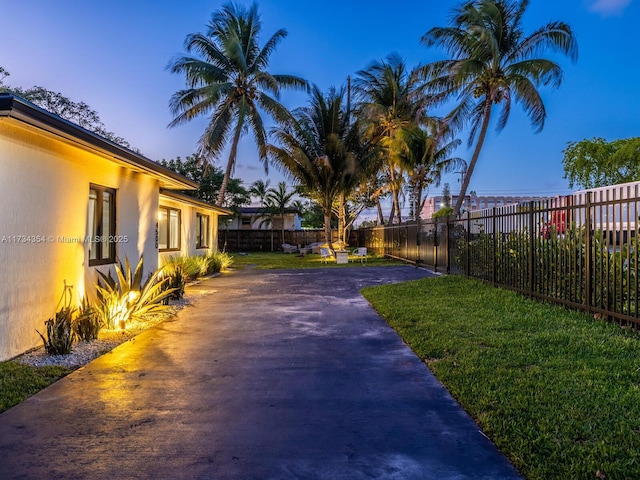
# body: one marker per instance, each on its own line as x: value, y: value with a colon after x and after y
x: 113, y: 55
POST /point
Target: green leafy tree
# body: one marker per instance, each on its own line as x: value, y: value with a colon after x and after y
x: 493, y: 62
x: 598, y: 163
x: 227, y: 78
x: 209, y: 178
x: 321, y: 151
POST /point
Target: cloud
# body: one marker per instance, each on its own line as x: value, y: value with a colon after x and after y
x: 607, y: 8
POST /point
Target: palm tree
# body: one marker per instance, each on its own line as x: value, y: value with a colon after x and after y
x: 429, y: 152
x: 320, y: 151
x: 226, y: 77
x: 260, y: 189
x: 391, y: 99
x: 277, y: 202
x: 492, y: 63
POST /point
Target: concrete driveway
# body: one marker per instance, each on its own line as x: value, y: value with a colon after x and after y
x: 268, y: 375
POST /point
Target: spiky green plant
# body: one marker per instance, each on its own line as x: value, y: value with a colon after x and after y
x: 88, y: 323
x: 60, y: 335
x: 128, y: 297
x: 218, y: 262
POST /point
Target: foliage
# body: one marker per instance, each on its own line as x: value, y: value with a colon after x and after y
x: 128, y: 297
x: 313, y: 217
x: 391, y: 102
x: 77, y: 112
x: 598, y: 163
x: 209, y: 179
x: 218, y: 262
x: 88, y: 322
x: 322, y: 151
x: 554, y: 389
x: 18, y: 382
x: 559, y: 266
x: 59, y: 335
x: 226, y: 74
x: 493, y: 63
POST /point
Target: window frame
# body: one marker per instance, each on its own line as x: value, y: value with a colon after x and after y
x: 96, y: 229
x: 199, y: 233
x: 169, y: 237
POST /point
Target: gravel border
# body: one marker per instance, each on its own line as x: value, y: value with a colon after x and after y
x: 84, y: 352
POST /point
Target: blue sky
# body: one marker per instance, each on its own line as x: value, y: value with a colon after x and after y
x: 113, y: 55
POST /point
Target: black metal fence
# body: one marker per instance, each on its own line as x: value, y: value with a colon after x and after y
x: 580, y: 250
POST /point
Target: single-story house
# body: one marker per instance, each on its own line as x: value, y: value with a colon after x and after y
x: 74, y: 202
x: 253, y: 218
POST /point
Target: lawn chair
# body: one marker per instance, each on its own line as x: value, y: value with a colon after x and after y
x: 287, y: 248
x: 326, y: 255
x: 361, y: 253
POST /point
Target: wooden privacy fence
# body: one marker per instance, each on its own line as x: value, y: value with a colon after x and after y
x: 267, y: 240
x: 579, y: 250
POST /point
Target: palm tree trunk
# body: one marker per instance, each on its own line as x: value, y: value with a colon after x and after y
x: 380, y: 215
x: 474, y: 159
x: 230, y: 164
x: 327, y: 227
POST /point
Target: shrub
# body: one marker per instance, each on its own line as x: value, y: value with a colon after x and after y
x: 128, y: 298
x: 175, y: 280
x: 88, y: 322
x: 60, y: 335
x: 218, y: 262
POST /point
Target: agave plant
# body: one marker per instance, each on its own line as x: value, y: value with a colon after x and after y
x: 127, y: 297
x: 88, y: 323
x: 60, y: 335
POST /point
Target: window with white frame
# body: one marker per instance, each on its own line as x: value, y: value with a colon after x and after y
x: 202, y: 230
x: 168, y: 229
x: 101, y: 225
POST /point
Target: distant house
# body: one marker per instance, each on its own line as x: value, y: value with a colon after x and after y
x: 253, y: 218
x: 73, y: 203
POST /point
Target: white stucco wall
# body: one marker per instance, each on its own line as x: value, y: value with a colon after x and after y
x: 44, y: 191
x: 188, y: 229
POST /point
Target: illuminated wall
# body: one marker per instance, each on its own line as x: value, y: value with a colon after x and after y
x: 44, y: 189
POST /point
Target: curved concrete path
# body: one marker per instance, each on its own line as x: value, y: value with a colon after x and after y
x: 268, y: 375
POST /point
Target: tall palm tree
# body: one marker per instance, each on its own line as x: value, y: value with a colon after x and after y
x: 493, y: 62
x: 227, y: 77
x: 391, y: 98
x: 320, y: 151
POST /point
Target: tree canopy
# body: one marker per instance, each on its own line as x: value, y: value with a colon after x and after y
x: 597, y: 163
x: 209, y: 178
x: 77, y: 112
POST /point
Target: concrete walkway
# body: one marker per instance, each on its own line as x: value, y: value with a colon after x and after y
x: 269, y: 375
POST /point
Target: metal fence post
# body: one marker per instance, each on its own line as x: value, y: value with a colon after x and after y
x: 532, y: 249
x: 588, y: 264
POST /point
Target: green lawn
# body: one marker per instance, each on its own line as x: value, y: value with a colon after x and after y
x: 557, y: 391
x: 271, y: 260
x: 17, y: 382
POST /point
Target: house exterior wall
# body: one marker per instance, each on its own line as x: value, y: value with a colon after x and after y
x: 46, y: 181
x: 188, y: 229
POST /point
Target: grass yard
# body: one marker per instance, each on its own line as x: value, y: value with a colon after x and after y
x: 557, y: 391
x: 279, y: 260
x: 17, y: 382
